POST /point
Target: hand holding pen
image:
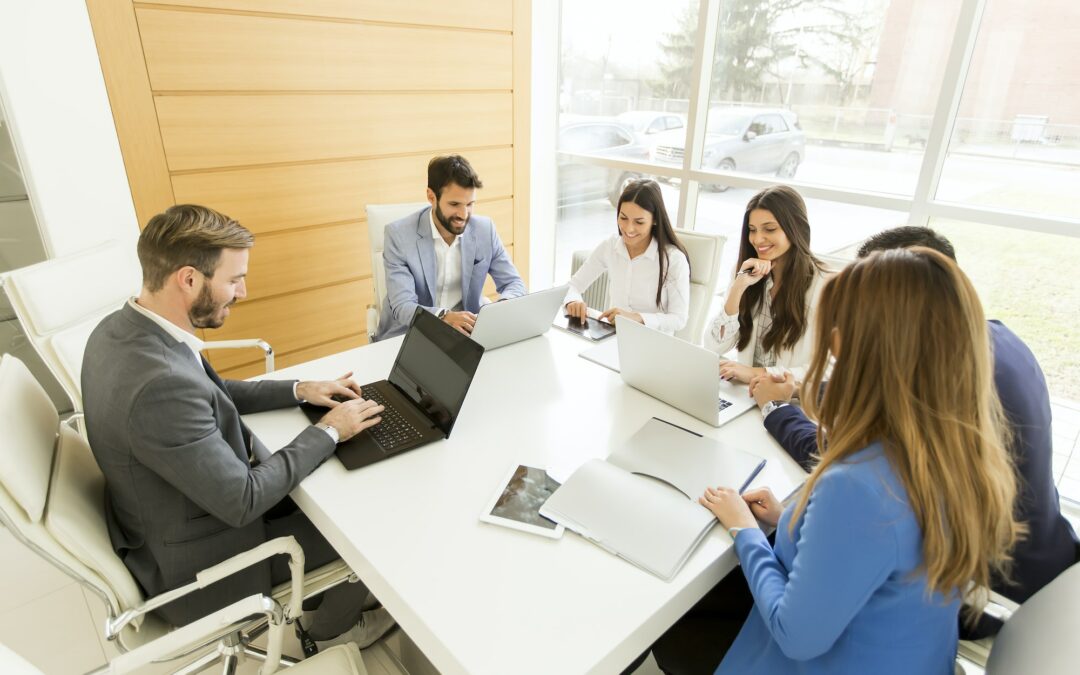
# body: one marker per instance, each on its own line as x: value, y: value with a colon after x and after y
x: 752, y: 271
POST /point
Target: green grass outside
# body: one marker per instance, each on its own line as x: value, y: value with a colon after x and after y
x: 1031, y: 282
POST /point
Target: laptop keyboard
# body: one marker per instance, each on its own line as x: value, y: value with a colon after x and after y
x: 394, y: 430
x: 722, y: 404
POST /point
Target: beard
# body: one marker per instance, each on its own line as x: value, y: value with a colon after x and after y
x: 206, y: 313
x: 447, y: 222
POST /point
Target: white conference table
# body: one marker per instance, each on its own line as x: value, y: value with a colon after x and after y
x: 479, y: 598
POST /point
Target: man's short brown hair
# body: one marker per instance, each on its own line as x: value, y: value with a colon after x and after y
x: 187, y: 234
x: 447, y: 169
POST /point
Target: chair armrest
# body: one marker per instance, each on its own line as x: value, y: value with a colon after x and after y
x: 280, y: 546
x: 372, y: 322
x: 253, y: 343
x: 207, y: 629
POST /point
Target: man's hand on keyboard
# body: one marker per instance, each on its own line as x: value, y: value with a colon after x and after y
x: 352, y: 417
x: 329, y: 393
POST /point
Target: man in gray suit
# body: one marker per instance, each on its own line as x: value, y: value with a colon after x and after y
x: 187, y: 483
x: 439, y: 257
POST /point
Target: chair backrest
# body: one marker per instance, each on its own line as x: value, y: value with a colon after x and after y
x: 705, y: 252
x: 52, y: 497
x: 59, y: 302
x: 596, y: 295
x: 1040, y: 636
x: 378, y: 217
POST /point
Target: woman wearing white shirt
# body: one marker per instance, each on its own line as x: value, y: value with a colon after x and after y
x: 770, y: 323
x: 647, y: 266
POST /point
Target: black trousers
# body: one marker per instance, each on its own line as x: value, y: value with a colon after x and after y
x: 698, y: 641
x: 338, y: 609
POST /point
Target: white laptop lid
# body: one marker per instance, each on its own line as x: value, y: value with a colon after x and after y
x: 502, y: 323
x: 678, y: 373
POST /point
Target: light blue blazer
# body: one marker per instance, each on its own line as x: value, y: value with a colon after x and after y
x: 411, y: 273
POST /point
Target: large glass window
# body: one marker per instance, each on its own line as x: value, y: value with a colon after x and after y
x: 1016, y: 140
x: 828, y: 91
x: 838, y: 98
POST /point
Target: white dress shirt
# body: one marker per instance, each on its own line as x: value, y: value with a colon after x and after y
x: 632, y: 283
x: 448, y: 264
x: 723, y: 334
x: 190, y: 339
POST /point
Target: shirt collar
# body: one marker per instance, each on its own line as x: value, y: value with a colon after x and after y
x: 652, y: 251
x: 171, y: 328
x: 436, y: 235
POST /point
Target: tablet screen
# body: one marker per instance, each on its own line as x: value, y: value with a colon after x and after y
x: 523, y: 495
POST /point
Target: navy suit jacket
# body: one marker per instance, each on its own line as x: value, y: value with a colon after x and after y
x: 1051, y: 545
x: 412, y: 274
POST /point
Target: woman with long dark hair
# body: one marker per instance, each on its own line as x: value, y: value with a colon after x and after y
x: 768, y: 311
x: 648, y: 268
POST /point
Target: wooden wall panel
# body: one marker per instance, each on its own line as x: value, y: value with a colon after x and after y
x: 289, y: 322
x: 292, y: 115
x: 502, y: 212
x: 205, y: 131
x: 117, y: 36
x: 301, y: 356
x: 266, y: 199
x: 229, y: 52
x: 475, y: 14
x: 286, y: 262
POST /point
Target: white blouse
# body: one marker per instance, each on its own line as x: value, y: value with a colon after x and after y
x: 632, y: 283
x: 723, y: 334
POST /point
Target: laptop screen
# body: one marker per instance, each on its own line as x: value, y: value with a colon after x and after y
x: 435, y: 367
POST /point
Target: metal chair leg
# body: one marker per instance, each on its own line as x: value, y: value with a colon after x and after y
x: 199, y: 664
x: 228, y: 666
x: 260, y: 654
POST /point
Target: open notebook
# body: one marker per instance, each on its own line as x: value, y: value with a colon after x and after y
x: 641, y: 502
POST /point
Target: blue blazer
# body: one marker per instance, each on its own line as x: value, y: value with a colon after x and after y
x: 1051, y: 545
x: 843, y: 592
x: 411, y: 273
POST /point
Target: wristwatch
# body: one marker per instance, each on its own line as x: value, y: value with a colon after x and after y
x: 442, y: 312
x: 771, y: 406
x: 735, y: 530
x: 330, y: 431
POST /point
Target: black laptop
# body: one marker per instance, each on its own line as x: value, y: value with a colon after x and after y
x: 422, y: 396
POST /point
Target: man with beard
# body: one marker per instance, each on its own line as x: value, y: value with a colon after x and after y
x: 439, y: 257
x: 187, y: 483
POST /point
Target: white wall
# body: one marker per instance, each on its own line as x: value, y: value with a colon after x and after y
x: 542, y: 131
x: 61, y: 125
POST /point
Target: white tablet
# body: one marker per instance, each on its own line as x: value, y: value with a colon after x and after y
x: 517, y: 502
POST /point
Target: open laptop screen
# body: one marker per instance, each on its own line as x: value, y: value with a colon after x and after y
x: 435, y: 367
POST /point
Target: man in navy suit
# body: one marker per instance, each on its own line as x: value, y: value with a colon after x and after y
x: 439, y: 257
x: 1051, y: 545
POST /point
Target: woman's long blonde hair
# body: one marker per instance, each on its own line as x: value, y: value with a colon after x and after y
x: 914, y: 371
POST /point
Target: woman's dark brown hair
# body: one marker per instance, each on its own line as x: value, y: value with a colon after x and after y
x: 646, y: 194
x: 789, y: 311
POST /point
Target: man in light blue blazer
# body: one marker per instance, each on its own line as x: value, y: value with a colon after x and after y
x: 439, y: 257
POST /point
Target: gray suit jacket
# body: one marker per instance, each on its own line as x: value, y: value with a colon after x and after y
x: 181, y: 495
x: 411, y: 271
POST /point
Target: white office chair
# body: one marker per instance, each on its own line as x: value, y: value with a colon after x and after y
x: 1038, y: 636
x: 596, y: 295
x: 59, y: 302
x: 705, y: 252
x: 52, y: 500
x: 378, y: 217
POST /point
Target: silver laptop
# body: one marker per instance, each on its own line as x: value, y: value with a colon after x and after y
x: 678, y: 373
x: 502, y: 323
